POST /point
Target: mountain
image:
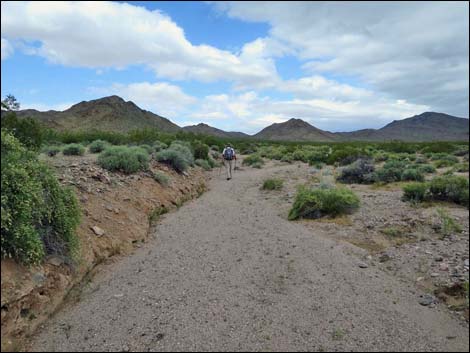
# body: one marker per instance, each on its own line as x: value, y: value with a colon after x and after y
x: 115, y: 114
x: 209, y: 130
x: 109, y: 113
x: 428, y: 126
x: 295, y: 130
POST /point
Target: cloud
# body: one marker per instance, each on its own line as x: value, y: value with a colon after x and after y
x: 7, y: 49
x: 409, y: 50
x: 161, y: 98
x: 108, y: 34
x: 249, y: 112
x: 45, y: 107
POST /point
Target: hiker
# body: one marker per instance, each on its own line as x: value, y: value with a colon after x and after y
x: 228, y: 155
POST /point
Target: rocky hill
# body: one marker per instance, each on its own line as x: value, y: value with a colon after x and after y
x: 428, y: 126
x: 209, y: 130
x: 109, y: 113
x: 295, y: 130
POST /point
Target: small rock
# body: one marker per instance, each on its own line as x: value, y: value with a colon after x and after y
x: 39, y: 278
x: 434, y: 274
x: 55, y: 261
x: 438, y: 258
x: 384, y: 257
x: 465, y: 263
x: 444, y: 267
x: 363, y: 265
x: 428, y: 252
x: 419, y: 279
x: 427, y: 300
x: 97, y: 230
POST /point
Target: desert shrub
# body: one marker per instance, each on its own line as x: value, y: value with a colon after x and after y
x: 461, y: 168
x: 161, y: 178
x: 38, y: 216
x: 360, y: 172
x: 316, y: 203
x: 448, y: 224
x: 426, y: 168
x: 125, y: 159
x: 391, y: 171
x: 73, y: 149
x: 204, y: 164
x: 185, y: 150
x: 443, y: 163
x: 317, y: 156
x: 51, y: 151
x: 381, y: 157
x: 272, y: 184
x: 415, y: 192
x: 28, y: 131
x: 461, y: 150
x: 450, y: 188
x: 346, y: 155
x: 215, y: 148
x: 98, y: 146
x: 149, y: 149
x: 158, y: 146
x: 253, y: 159
x: 421, y: 160
x: 411, y: 174
x: 201, y: 150
x: 176, y: 159
x: 212, y: 162
x: 287, y: 158
x: 257, y: 165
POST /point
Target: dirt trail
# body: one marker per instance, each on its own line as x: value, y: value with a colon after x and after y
x: 227, y: 273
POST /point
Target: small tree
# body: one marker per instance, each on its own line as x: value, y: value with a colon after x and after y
x: 10, y: 103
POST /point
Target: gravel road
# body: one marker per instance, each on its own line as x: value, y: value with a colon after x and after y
x: 227, y: 273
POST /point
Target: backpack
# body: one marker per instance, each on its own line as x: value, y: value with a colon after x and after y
x: 228, y: 153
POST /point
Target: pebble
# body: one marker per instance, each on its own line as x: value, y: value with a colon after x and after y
x: 97, y: 230
x: 427, y: 300
x: 363, y: 265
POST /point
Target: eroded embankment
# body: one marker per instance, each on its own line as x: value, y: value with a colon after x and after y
x: 117, y: 212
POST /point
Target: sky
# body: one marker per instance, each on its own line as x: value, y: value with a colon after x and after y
x: 340, y: 66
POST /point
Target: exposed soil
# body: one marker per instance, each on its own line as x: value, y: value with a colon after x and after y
x: 228, y: 272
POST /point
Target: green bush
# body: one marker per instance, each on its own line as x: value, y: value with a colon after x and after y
x: 253, y: 159
x: 411, y: 174
x: 51, y: 151
x: 201, y: 151
x: 461, y: 168
x: 98, y: 146
x: 316, y: 203
x: 73, y: 149
x: 38, y: 216
x: 158, y: 146
x: 415, y: 192
x: 257, y: 165
x: 125, y: 159
x: 287, y: 158
x: 426, y: 168
x: 161, y: 178
x: 149, y: 149
x: 346, y: 155
x: 360, y: 172
x: 272, y: 184
x: 450, y: 188
x: 391, y: 171
x: 176, y: 159
x: 203, y: 163
x: 27, y: 130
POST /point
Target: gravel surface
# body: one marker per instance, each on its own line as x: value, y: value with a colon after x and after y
x: 227, y: 273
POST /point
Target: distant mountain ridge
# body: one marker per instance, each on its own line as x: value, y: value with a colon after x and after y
x: 115, y: 114
x: 202, y: 128
x: 294, y: 130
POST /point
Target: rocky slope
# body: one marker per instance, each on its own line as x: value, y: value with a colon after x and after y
x: 108, y: 113
x: 209, y: 130
x: 294, y: 130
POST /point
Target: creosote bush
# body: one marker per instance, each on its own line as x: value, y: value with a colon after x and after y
x: 161, y: 178
x: 73, y: 149
x: 39, y: 216
x: 98, y: 146
x: 204, y: 164
x: 272, y: 184
x: 317, y: 203
x: 253, y: 160
x: 360, y: 172
x: 125, y: 159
